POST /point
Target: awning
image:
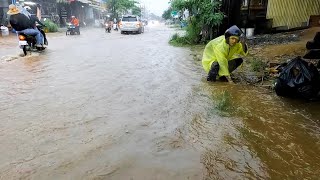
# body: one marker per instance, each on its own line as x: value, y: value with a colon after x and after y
x: 84, y: 1
x: 96, y: 7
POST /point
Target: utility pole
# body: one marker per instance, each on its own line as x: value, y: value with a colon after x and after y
x: 114, y: 9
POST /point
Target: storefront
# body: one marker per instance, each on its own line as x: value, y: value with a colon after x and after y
x: 4, y: 4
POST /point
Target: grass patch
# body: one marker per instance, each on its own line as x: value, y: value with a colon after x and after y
x: 177, y: 40
x: 175, y: 26
x: 257, y: 65
x: 223, y: 101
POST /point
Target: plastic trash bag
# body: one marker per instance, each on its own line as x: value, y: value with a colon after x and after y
x: 298, y: 79
x: 312, y: 54
x: 315, y: 43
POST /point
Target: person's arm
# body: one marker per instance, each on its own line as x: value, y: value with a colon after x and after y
x: 38, y: 21
x: 244, y: 46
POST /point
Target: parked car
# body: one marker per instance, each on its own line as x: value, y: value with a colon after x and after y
x: 131, y: 23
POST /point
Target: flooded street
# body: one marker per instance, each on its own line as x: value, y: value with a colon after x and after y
x: 112, y: 106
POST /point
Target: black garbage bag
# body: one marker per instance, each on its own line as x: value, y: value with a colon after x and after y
x: 312, y: 54
x: 312, y: 45
x: 317, y: 38
x: 315, y: 43
x: 298, y: 79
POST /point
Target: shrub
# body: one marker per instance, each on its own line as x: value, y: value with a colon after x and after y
x: 50, y: 26
x: 257, y: 65
x: 178, y: 40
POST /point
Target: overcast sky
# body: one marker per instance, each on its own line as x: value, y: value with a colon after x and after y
x: 156, y: 6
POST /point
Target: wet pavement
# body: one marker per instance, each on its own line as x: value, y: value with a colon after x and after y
x: 112, y: 106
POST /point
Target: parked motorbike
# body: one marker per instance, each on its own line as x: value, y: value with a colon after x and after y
x: 72, y: 30
x: 28, y: 42
x: 108, y: 27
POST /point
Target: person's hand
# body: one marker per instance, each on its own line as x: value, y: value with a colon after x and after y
x: 229, y: 79
x: 243, y: 41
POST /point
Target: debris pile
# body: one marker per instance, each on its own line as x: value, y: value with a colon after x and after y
x: 271, y: 39
x: 299, y: 78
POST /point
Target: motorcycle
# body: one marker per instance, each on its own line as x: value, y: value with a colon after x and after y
x: 72, y: 29
x: 115, y: 27
x: 28, y: 42
x: 108, y: 27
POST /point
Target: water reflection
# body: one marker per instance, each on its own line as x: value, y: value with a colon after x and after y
x: 264, y: 136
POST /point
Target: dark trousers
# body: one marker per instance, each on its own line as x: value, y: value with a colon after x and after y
x: 232, y: 64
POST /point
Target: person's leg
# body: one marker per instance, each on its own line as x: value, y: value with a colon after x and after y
x: 39, y: 37
x: 77, y: 29
x: 234, y: 64
x: 33, y: 32
x: 213, y: 73
x: 44, y: 37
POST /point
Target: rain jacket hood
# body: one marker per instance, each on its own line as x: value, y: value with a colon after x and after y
x: 233, y: 31
x: 217, y: 50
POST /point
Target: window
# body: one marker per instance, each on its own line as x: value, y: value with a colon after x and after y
x: 129, y: 19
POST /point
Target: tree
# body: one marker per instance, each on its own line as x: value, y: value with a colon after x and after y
x: 136, y: 10
x: 205, y: 16
x: 167, y: 14
x: 120, y: 7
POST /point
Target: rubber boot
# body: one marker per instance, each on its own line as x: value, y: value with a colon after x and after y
x: 213, y: 73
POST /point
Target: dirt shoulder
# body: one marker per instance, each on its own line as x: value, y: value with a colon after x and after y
x: 266, y: 51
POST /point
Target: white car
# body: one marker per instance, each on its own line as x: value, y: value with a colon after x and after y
x: 131, y: 23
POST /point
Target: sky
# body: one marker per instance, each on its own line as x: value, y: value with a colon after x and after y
x: 156, y: 6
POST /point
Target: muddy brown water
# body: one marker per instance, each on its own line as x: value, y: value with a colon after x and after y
x: 132, y: 107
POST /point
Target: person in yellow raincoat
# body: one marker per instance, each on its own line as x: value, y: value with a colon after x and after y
x: 222, y: 54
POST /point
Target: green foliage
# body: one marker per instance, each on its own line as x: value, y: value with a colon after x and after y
x: 177, y: 40
x: 179, y: 4
x: 167, y: 14
x: 51, y: 26
x: 136, y: 11
x: 209, y: 13
x: 223, y: 101
x: 121, y: 7
x: 257, y: 65
x: 203, y: 13
x: 193, y: 30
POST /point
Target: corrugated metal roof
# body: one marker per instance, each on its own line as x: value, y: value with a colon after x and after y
x: 292, y: 13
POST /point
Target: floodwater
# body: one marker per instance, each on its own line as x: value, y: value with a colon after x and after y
x: 112, y: 106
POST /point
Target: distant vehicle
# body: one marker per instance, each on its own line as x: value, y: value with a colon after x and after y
x: 72, y: 30
x: 144, y: 22
x: 131, y: 23
x: 108, y: 27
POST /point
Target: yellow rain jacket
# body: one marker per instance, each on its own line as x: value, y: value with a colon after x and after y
x: 219, y: 51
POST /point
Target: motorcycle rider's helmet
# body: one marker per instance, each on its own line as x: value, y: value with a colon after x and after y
x: 28, y: 8
x: 232, y: 31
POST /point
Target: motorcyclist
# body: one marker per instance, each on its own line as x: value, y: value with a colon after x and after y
x: 22, y: 24
x: 108, y: 25
x: 22, y: 9
x: 221, y: 55
x: 34, y: 19
x: 75, y: 22
x: 115, y: 24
